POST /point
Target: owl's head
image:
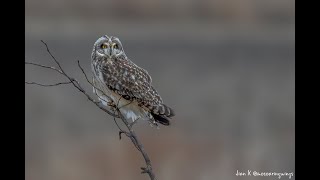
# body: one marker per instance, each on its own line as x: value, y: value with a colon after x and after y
x: 108, y: 47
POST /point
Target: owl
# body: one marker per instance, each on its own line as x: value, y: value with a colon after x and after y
x: 119, y: 81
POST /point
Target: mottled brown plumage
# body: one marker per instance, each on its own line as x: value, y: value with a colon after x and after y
x: 122, y: 80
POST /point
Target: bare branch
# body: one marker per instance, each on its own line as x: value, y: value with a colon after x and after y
x: 140, y: 147
x: 48, y: 50
x: 48, y: 67
x: 91, y: 83
x: 47, y: 85
x: 73, y: 81
x: 120, y: 130
x: 85, y: 75
x: 129, y: 133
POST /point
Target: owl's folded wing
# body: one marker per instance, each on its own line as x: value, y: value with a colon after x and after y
x: 134, y: 83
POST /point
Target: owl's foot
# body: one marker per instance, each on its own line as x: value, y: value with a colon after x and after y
x: 111, y: 104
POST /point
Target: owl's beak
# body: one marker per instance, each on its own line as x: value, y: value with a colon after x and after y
x: 111, y: 51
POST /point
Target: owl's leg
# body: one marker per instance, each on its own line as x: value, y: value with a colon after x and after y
x: 111, y: 104
x: 106, y: 101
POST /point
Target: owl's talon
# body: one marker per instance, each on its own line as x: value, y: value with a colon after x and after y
x: 111, y: 104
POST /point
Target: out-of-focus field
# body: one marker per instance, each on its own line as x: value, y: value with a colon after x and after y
x: 226, y: 67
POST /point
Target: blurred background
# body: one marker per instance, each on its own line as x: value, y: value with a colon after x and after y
x: 227, y: 67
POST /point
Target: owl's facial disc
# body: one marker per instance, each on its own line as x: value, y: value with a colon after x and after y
x: 109, y: 47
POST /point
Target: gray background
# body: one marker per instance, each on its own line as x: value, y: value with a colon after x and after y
x: 226, y: 67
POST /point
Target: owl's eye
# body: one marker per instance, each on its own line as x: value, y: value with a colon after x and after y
x: 104, y: 46
x: 115, y: 46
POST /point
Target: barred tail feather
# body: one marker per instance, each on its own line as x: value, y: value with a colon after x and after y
x: 163, y: 110
x: 168, y: 111
x: 162, y: 113
x: 161, y: 119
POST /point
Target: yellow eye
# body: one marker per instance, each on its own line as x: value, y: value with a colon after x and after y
x: 104, y: 46
x: 115, y: 46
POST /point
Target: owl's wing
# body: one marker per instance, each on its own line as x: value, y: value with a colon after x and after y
x: 133, y: 82
x: 129, y: 80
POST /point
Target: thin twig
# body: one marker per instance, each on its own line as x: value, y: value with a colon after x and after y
x: 47, y: 85
x: 120, y: 129
x: 91, y: 83
x: 85, y: 75
x: 43, y: 66
x: 130, y: 133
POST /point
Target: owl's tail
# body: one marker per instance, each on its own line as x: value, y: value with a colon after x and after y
x: 162, y: 113
x: 161, y: 119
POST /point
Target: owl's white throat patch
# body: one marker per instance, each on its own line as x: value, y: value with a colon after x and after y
x: 109, y: 61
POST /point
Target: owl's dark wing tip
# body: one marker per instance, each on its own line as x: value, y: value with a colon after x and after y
x: 161, y: 119
x: 163, y: 115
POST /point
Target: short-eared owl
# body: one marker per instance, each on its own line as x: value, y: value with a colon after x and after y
x: 119, y: 81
